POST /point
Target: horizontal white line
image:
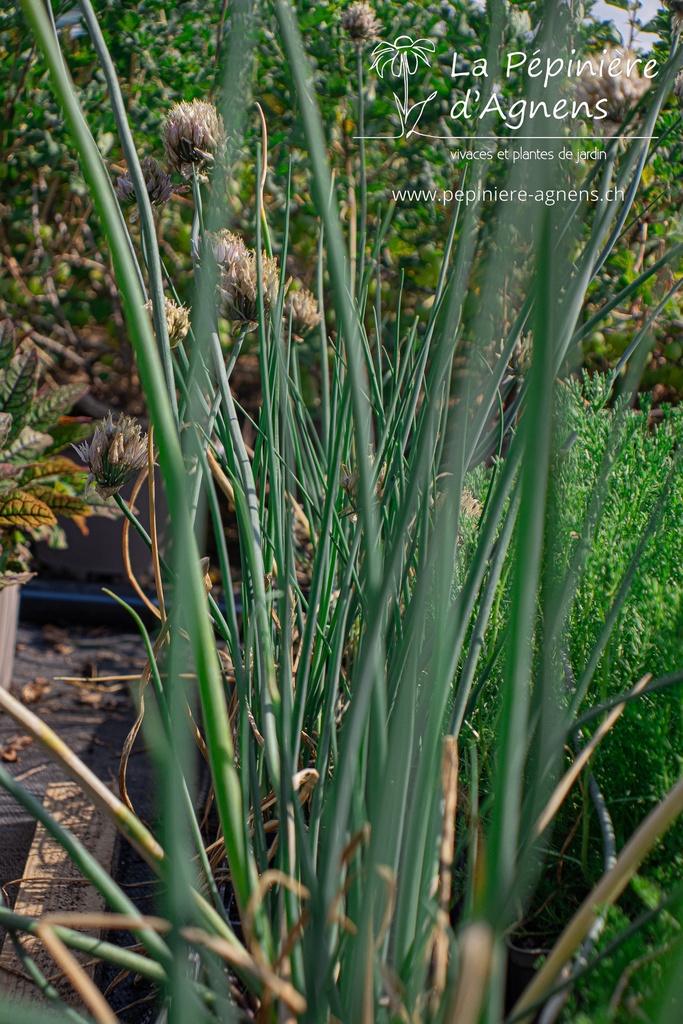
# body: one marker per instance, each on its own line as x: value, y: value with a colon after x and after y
x: 538, y: 138
x: 498, y: 138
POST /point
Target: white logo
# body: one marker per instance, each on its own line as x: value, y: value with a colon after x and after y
x: 401, y: 59
x: 481, y: 96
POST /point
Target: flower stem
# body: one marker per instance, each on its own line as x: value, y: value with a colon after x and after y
x: 363, y: 176
x: 147, y: 225
x: 198, y: 222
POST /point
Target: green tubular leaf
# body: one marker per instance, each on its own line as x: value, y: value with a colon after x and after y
x: 626, y: 581
x: 625, y: 293
x: 607, y: 890
x: 31, y: 1013
x: 147, y: 222
x: 48, y: 990
x: 86, y: 863
x: 164, y: 714
x: 141, y: 965
x: 338, y: 267
x: 536, y: 432
x: 198, y: 623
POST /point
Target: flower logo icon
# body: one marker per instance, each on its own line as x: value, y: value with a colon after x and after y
x: 402, y: 58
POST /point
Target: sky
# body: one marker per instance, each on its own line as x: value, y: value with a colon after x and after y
x: 648, y: 9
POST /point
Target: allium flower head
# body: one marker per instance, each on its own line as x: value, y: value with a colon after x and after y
x: 160, y: 188
x: 360, y: 22
x: 177, y: 320
x: 678, y: 87
x: 114, y: 454
x: 225, y: 246
x: 350, y: 480
x: 302, y: 308
x: 193, y: 134
x: 470, y: 505
x: 238, y: 283
x: 621, y: 92
x: 676, y: 8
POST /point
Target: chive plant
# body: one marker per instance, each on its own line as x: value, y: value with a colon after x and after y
x: 376, y: 867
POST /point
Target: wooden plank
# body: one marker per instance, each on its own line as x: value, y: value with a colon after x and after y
x: 52, y: 884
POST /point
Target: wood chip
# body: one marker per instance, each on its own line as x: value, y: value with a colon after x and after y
x: 15, y: 744
x: 58, y: 639
x: 91, y: 698
x: 31, y: 693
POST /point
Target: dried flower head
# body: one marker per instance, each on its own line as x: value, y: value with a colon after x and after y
x: 177, y: 320
x: 678, y: 87
x: 470, y: 505
x: 114, y: 454
x: 349, y: 481
x: 676, y: 8
x: 160, y: 188
x: 238, y: 283
x: 193, y: 134
x: 619, y: 91
x: 226, y: 247
x: 205, y: 566
x: 301, y: 309
x: 360, y: 22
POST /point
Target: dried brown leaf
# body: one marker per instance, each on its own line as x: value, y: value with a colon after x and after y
x: 15, y: 744
x: 31, y: 693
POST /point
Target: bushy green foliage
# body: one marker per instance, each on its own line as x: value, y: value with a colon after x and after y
x: 639, y: 454
x: 636, y: 951
x: 633, y: 459
x: 55, y: 277
x: 163, y: 54
x: 644, y: 753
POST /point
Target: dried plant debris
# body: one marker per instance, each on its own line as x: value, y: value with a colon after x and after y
x: 34, y: 692
x: 15, y: 745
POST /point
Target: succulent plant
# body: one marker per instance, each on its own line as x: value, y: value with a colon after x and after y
x: 36, y: 483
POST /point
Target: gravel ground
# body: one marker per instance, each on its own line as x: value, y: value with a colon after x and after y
x: 93, y: 718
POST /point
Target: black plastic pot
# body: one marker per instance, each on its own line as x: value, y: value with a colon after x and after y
x: 521, y: 968
x: 66, y: 603
x: 97, y: 555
